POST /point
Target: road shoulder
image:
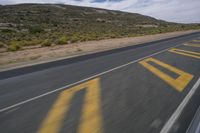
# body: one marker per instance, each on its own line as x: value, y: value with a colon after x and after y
x: 13, y: 60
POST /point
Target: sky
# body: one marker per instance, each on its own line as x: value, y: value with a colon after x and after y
x: 183, y: 11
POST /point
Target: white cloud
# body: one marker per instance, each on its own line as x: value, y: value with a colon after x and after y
x: 172, y: 10
x: 106, y: 4
x: 185, y: 11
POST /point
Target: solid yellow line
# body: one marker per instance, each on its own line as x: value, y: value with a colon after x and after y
x: 91, y: 118
x: 186, y: 53
x: 193, y: 45
x: 179, y: 83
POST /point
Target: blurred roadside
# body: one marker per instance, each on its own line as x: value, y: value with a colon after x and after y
x: 10, y: 60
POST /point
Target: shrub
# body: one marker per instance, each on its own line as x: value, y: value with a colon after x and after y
x: 14, y: 47
x: 46, y: 43
x: 7, y: 31
x: 32, y: 42
x: 74, y: 39
x: 63, y: 40
x: 35, y: 29
x: 183, y: 26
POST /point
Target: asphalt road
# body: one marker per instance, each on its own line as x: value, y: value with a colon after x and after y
x: 149, y: 88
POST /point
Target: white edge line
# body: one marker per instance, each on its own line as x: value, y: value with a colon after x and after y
x: 171, y: 121
x: 80, y: 81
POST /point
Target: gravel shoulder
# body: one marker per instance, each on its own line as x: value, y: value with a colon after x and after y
x: 11, y: 60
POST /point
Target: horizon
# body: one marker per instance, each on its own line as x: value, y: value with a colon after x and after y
x: 171, y: 11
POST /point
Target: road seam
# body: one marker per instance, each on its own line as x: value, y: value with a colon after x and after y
x: 171, y: 121
x: 83, y: 80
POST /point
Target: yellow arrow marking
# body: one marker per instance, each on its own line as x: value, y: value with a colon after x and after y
x: 185, y: 52
x: 179, y: 83
x: 91, y: 119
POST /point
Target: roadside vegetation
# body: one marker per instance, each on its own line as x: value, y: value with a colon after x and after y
x: 26, y: 25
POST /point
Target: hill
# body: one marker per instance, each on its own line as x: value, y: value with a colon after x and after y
x: 54, y: 24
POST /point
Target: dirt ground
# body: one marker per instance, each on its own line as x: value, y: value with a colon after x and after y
x: 10, y: 60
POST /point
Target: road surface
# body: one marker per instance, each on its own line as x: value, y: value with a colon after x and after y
x: 149, y: 88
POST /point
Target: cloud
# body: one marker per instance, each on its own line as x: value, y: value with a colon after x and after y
x: 185, y: 11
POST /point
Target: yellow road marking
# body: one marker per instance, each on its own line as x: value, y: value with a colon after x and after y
x: 192, y: 45
x: 185, y: 52
x: 52, y: 122
x: 91, y: 119
x: 195, y: 40
x: 179, y: 83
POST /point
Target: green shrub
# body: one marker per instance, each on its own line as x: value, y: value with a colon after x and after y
x: 14, y: 47
x: 74, y: 39
x: 7, y: 31
x: 35, y: 29
x: 63, y: 40
x: 46, y: 43
x: 32, y: 42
